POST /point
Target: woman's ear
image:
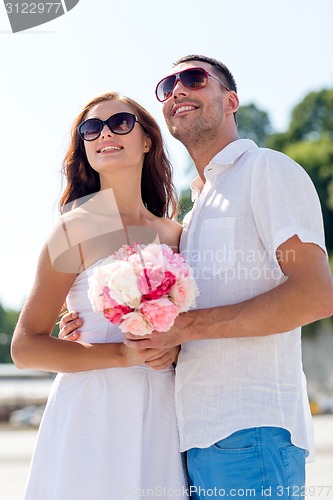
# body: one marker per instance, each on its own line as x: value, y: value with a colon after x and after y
x: 147, y: 145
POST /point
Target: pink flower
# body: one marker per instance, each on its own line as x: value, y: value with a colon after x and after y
x: 184, y: 293
x: 113, y: 311
x: 150, y: 278
x: 176, y: 263
x: 160, y: 313
x: 135, y: 323
x: 153, y: 290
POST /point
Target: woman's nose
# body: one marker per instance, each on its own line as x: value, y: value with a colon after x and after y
x: 106, y: 131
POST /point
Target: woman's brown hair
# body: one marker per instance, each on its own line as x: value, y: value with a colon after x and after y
x: 157, y: 189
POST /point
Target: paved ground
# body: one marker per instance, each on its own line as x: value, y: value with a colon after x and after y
x: 16, y: 447
x: 320, y: 473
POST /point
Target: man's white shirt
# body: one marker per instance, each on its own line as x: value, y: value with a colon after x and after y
x: 253, y: 200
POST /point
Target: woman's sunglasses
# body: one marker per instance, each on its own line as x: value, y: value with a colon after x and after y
x: 192, y: 78
x: 120, y: 124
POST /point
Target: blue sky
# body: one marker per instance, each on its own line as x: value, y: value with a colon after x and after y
x: 277, y: 51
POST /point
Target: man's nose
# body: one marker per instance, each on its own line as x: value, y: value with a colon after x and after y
x: 179, y: 89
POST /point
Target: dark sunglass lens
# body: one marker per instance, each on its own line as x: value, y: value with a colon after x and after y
x: 90, y: 129
x: 121, y: 123
x: 165, y: 88
x: 194, y: 78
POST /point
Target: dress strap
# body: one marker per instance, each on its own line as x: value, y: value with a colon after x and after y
x: 82, y: 258
x: 69, y: 245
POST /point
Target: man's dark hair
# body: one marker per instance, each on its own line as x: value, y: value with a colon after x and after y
x: 221, y: 69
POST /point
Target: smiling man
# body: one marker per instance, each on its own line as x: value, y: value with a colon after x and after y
x: 256, y: 243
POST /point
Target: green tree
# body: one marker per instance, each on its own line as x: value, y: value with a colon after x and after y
x: 185, y: 203
x: 8, y: 320
x: 254, y: 124
x: 312, y: 117
x: 308, y: 141
x: 316, y: 157
x: 310, y: 121
x: 2, y: 316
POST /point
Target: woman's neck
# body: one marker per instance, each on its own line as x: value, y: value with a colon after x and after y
x: 127, y: 196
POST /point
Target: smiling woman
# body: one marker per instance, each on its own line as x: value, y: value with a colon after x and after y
x: 156, y: 169
x: 118, y: 402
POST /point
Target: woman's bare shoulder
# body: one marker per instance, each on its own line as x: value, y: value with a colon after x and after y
x: 63, y: 243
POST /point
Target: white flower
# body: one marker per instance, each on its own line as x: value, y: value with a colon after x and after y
x: 95, y: 291
x: 123, y: 284
x: 97, y: 281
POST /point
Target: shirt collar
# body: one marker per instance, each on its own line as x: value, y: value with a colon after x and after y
x: 224, y: 159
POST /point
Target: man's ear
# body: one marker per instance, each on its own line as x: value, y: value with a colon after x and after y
x: 147, y: 145
x: 233, y: 101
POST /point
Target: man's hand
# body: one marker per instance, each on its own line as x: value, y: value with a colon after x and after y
x: 68, y: 325
x: 178, y: 334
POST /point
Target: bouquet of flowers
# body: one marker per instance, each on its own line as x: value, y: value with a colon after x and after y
x: 143, y: 288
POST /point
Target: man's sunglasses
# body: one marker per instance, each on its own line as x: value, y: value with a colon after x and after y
x: 120, y: 124
x: 192, y: 78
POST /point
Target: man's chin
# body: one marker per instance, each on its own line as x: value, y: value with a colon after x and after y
x: 178, y: 133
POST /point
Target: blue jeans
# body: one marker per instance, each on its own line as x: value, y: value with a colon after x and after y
x: 258, y: 463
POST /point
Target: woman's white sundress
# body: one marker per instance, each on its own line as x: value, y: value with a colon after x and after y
x: 108, y: 434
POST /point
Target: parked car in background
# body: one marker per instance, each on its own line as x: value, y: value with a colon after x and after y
x: 28, y: 415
